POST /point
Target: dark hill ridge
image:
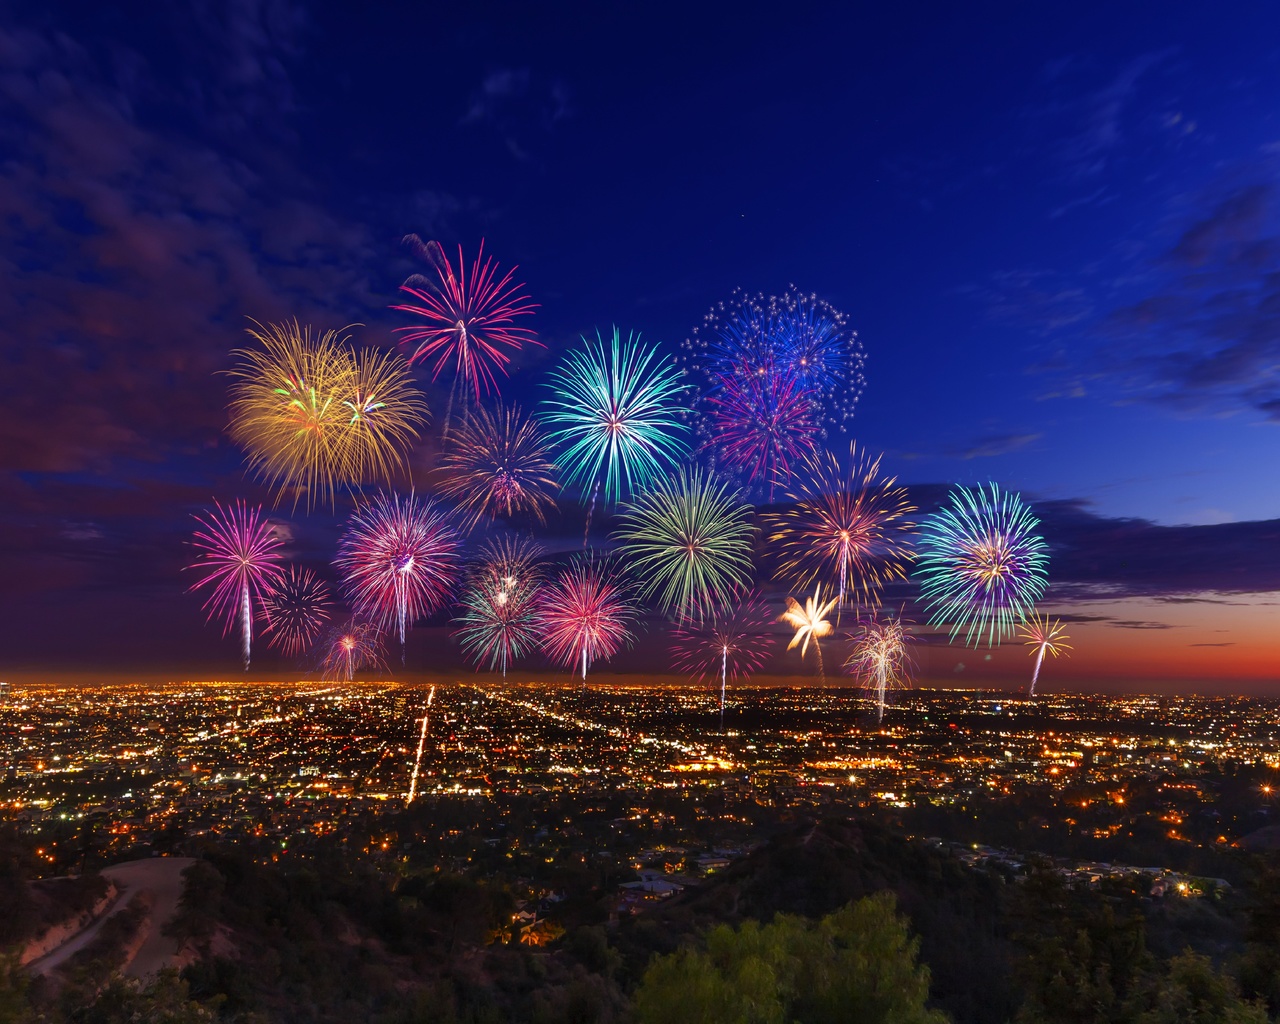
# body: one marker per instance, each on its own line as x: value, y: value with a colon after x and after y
x: 960, y: 914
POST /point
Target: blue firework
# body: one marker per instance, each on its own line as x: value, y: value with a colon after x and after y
x: 616, y: 415
x: 981, y: 564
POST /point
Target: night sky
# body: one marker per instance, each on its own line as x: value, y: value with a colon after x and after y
x: 1056, y: 229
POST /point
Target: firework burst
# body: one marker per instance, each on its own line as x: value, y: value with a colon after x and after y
x: 296, y: 609
x: 399, y: 560
x: 981, y: 564
x: 470, y: 322
x: 351, y: 649
x: 586, y: 616
x: 689, y: 541
x: 384, y: 411
x: 732, y: 644
x: 810, y: 623
x: 845, y: 523
x: 240, y: 562
x: 313, y: 416
x: 616, y: 415
x: 500, y: 464
x: 761, y: 424
x: 500, y: 618
x: 1044, y: 636
x: 773, y: 372
x: 879, y: 659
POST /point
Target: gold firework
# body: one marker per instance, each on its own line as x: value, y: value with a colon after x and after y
x: 846, y: 524
x: 313, y: 415
x: 810, y: 622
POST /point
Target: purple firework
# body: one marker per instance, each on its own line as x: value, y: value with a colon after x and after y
x: 399, y: 560
x: 731, y: 645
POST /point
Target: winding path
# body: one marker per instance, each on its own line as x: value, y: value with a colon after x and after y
x: 161, y: 879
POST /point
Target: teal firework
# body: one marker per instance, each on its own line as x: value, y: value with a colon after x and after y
x: 689, y: 543
x: 616, y: 415
x: 981, y: 564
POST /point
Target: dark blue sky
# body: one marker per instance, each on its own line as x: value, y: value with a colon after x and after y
x: 1055, y: 228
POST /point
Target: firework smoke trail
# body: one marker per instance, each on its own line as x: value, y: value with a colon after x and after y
x: 241, y: 561
x: 843, y: 520
x: 470, y: 321
x: 399, y: 560
x: 732, y: 644
x: 810, y: 623
x: 1042, y: 634
x: 981, y: 564
x: 313, y: 415
x: 422, y: 740
x: 585, y: 615
x: 688, y: 540
x: 616, y: 414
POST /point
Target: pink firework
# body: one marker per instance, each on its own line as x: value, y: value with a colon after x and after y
x: 296, y: 609
x: 732, y: 644
x: 470, y: 321
x: 240, y: 560
x: 353, y: 647
x: 762, y: 421
x: 586, y: 616
x: 399, y: 560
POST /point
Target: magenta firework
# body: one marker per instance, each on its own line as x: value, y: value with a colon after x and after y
x: 470, y: 322
x: 586, y: 615
x: 240, y: 563
x: 399, y: 560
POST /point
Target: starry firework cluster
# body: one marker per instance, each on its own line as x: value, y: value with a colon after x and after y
x: 675, y: 451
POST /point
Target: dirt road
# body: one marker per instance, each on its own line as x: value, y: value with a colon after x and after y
x: 161, y: 879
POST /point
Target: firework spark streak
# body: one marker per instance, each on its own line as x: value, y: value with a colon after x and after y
x: 981, y: 564
x: 422, y: 740
x: 1043, y: 635
x: 241, y: 561
x: 689, y: 541
x: 844, y: 523
x: 616, y: 414
x: 586, y: 616
x: 500, y: 464
x: 879, y: 659
x: 732, y: 644
x: 296, y: 608
x: 347, y: 650
x: 810, y: 623
x: 500, y: 618
x: 399, y: 560
x: 470, y: 321
x: 313, y: 416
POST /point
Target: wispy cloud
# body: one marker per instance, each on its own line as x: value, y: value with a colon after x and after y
x: 993, y: 445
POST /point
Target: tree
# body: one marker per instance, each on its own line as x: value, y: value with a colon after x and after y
x: 857, y: 965
x: 1194, y: 993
